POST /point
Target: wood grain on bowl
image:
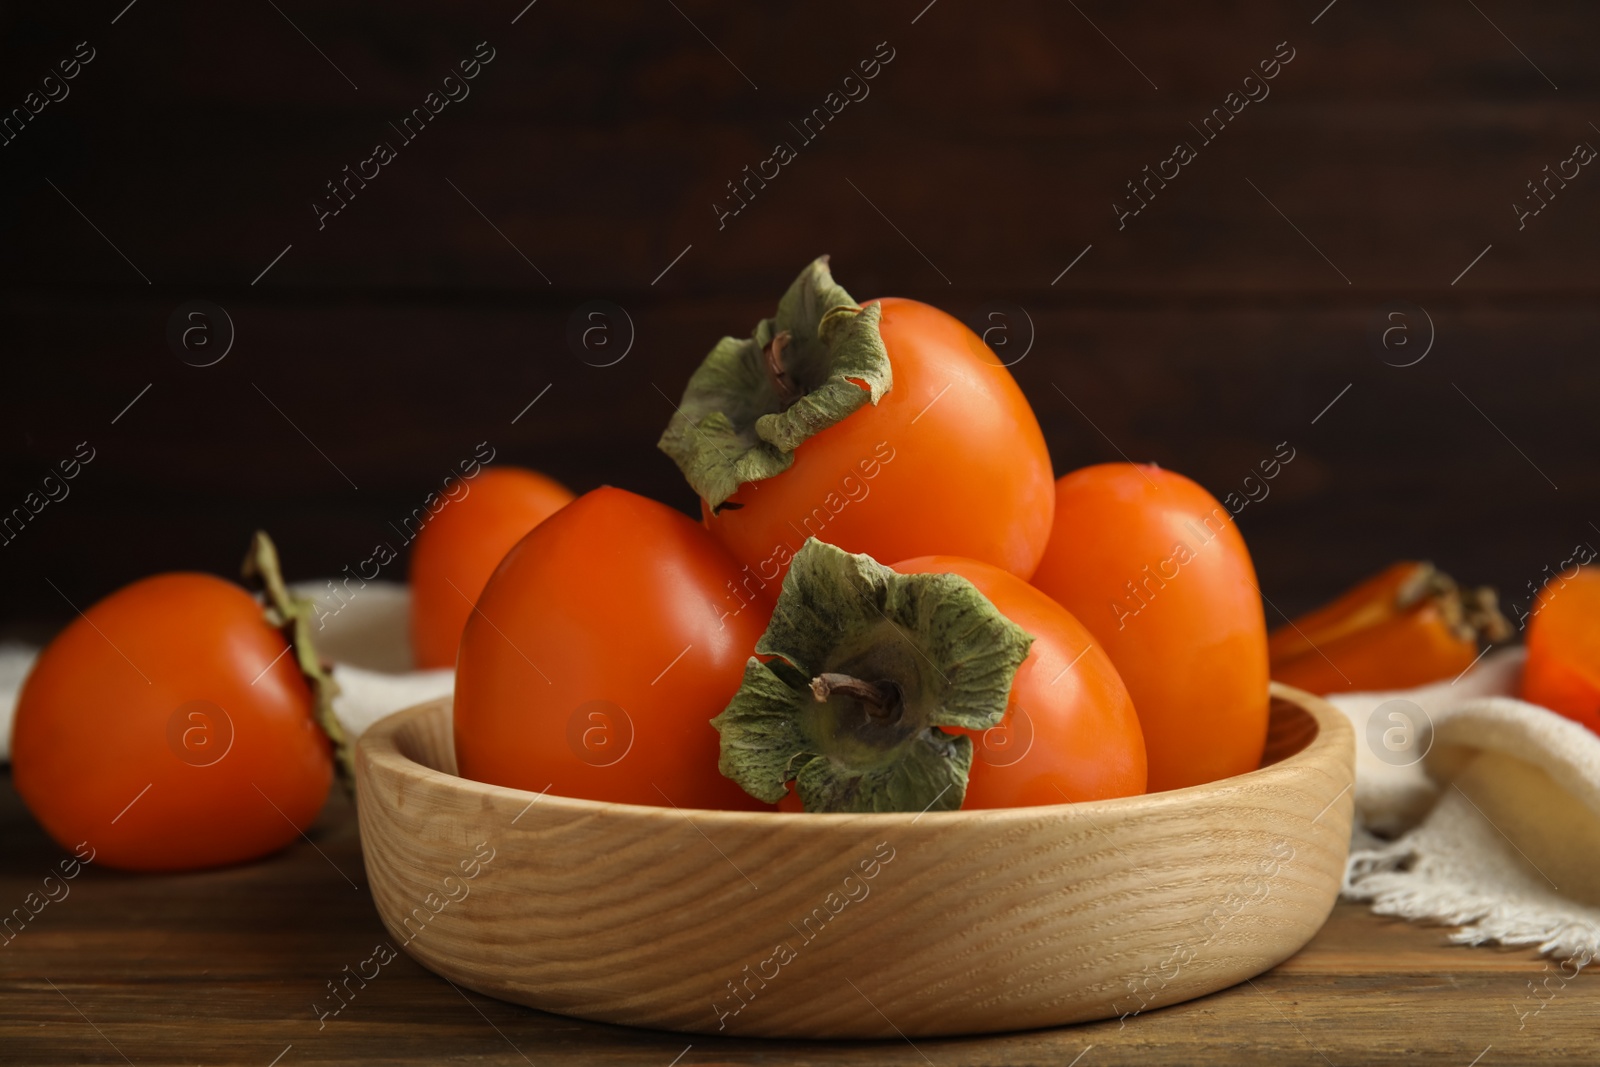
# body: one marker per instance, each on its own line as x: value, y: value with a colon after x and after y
x: 848, y: 925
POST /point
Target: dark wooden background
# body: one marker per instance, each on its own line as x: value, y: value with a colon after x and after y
x: 377, y: 352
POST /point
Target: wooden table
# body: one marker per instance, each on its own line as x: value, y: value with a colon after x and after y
x: 224, y: 967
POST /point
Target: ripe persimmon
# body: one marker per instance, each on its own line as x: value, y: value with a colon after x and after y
x: 458, y: 548
x: 936, y: 684
x: 1408, y: 625
x: 887, y: 428
x: 597, y: 654
x: 169, y: 727
x: 1563, y: 668
x: 1156, y: 569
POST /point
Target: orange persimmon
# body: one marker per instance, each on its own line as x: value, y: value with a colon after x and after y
x: 1367, y: 603
x: 1406, y: 626
x: 1071, y: 731
x: 1563, y: 668
x: 936, y: 684
x: 1155, y: 567
x: 170, y: 728
x: 887, y: 428
x: 597, y: 655
x: 462, y: 545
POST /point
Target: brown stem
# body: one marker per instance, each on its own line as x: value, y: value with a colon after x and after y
x: 881, y: 699
x: 788, y: 391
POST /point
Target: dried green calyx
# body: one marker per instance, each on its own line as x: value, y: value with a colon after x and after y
x: 869, y: 665
x: 753, y: 400
x: 293, y: 615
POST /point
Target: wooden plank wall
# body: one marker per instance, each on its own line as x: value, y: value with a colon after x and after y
x: 987, y: 154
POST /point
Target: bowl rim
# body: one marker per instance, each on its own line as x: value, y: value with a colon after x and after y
x: 378, y: 747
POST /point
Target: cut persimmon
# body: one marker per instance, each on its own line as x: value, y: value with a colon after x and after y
x: 1408, y: 625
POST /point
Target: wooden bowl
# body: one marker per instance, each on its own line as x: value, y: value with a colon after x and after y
x: 833, y: 926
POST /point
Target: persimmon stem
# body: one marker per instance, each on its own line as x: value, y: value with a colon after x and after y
x: 881, y: 699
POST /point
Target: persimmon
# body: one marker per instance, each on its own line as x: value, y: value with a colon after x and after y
x: 1408, y: 625
x: 460, y: 546
x: 1563, y: 668
x: 1156, y: 569
x: 170, y: 728
x: 887, y: 428
x: 937, y: 684
x: 1369, y: 602
x: 1414, y: 648
x: 597, y: 654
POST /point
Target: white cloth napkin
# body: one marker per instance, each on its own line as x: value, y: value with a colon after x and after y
x: 1478, y: 811
x: 364, y: 635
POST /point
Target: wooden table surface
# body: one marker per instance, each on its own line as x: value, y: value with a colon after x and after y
x: 224, y: 967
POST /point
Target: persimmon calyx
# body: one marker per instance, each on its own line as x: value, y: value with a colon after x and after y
x: 754, y: 399
x: 867, y: 667
x: 1473, y: 614
x: 293, y: 615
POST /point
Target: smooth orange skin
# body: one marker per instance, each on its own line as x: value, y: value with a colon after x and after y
x: 970, y: 477
x: 1563, y: 668
x: 1194, y: 656
x: 1087, y: 743
x: 91, y: 733
x: 1372, y: 602
x: 459, y: 548
x: 1400, y: 652
x: 599, y: 603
